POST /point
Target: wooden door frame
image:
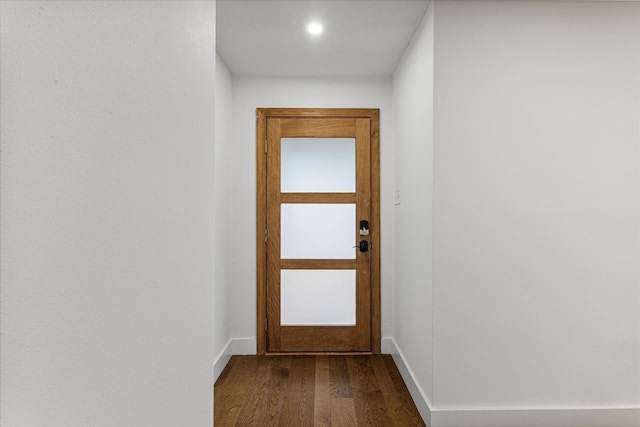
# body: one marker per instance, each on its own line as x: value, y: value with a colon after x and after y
x: 262, y: 114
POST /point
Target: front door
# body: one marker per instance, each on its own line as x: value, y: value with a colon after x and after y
x: 318, y: 266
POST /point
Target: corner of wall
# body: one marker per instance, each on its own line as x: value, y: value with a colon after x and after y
x: 418, y: 395
x: 221, y: 360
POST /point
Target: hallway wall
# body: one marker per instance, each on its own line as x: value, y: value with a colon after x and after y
x: 250, y: 93
x: 536, y: 212
x: 223, y: 216
x: 413, y: 184
x: 106, y: 213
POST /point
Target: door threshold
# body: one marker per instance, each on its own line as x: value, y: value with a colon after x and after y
x: 319, y: 353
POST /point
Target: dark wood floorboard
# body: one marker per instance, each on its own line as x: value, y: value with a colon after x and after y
x: 299, y: 399
x: 322, y: 408
x: 339, y: 383
x: 314, y: 391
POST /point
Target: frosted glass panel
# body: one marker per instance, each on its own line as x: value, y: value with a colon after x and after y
x: 318, y: 231
x: 318, y: 297
x: 318, y: 165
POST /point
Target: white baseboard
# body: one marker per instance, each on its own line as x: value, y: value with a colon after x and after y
x: 233, y: 346
x: 244, y: 346
x: 388, y: 346
x: 417, y: 394
x: 222, y: 360
x: 507, y: 417
x: 587, y: 417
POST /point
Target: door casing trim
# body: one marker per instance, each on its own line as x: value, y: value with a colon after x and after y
x: 262, y: 114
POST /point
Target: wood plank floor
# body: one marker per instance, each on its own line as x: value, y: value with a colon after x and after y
x: 325, y: 390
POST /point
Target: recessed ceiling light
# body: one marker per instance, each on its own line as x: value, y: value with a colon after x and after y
x: 314, y: 28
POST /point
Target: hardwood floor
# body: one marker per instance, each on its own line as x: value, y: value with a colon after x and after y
x: 326, y: 390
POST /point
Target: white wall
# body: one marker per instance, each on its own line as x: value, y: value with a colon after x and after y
x: 106, y: 213
x: 537, y: 206
x: 413, y: 171
x: 222, y: 215
x: 250, y: 93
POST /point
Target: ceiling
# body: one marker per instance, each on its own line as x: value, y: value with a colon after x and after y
x: 360, y: 38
